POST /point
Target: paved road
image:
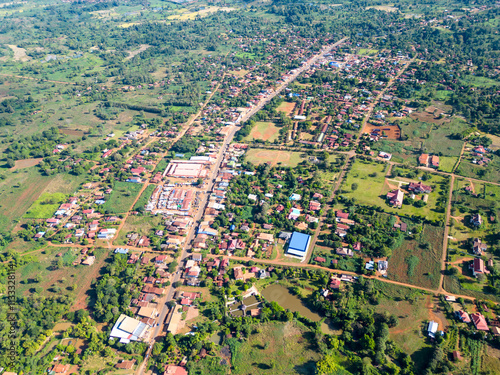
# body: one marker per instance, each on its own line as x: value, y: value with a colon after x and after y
x: 198, y: 216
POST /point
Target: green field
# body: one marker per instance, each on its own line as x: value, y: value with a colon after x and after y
x: 418, y: 260
x: 274, y: 157
x: 122, y: 197
x: 17, y: 193
x: 144, y: 198
x: 407, y: 334
x: 264, y: 131
x: 279, y: 348
x: 373, y: 187
x: 45, y: 206
x: 446, y: 163
x: 141, y: 224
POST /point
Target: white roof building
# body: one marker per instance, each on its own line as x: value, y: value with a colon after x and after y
x: 128, y: 329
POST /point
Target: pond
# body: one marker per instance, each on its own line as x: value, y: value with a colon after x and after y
x: 281, y: 295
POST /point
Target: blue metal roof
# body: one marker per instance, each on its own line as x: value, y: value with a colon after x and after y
x: 299, y: 241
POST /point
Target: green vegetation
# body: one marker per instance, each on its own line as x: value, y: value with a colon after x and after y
x: 122, y: 197
x: 144, y: 198
x: 45, y: 206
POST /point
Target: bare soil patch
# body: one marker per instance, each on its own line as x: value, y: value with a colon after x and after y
x: 431, y: 115
x: 25, y: 163
x: 19, y: 53
x: 287, y: 107
x: 142, y: 48
x: 391, y: 131
x: 75, y: 132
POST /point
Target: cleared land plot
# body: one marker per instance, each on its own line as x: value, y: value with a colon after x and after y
x: 138, y: 224
x: 265, y: 131
x: 385, y: 8
x: 45, y: 206
x: 26, y: 163
x: 17, y: 193
x: 389, y: 131
x: 373, y: 186
x: 19, y: 53
x: 286, y: 107
x: 446, y: 163
x: 408, y: 334
x: 274, y: 157
x: 42, y: 274
x: 418, y: 261
x: 122, y: 197
x: 279, y: 348
x: 490, y: 172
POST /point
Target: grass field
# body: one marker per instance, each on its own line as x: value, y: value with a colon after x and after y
x: 279, y: 348
x: 138, y: 224
x: 373, y: 187
x: 491, y: 172
x: 45, y: 206
x: 122, y: 197
x: 265, y: 131
x: 418, y: 261
x: 407, y: 334
x: 144, y: 198
x: 18, y: 191
x: 274, y: 157
x: 286, y: 107
x: 446, y: 163
x: 67, y: 280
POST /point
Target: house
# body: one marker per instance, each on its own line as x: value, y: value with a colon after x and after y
x: 268, y: 237
x: 395, y: 198
x: 478, y: 247
x: 39, y: 235
x: 463, y: 316
x: 478, y: 267
x: 335, y: 284
x: 423, y: 160
x: 344, y: 251
x: 419, y: 187
x: 125, y: 365
x: 197, y: 257
x: 295, y: 197
x: 160, y: 259
x: 89, y: 261
x: 342, y: 215
x: 52, y: 222
x: 383, y: 265
x: 314, y: 206
x: 479, y: 321
x: 238, y: 273
x: 60, y: 369
x: 294, y: 214
x: 434, y: 161
x: 175, y: 370
x: 319, y: 259
x: 432, y: 328
x: 299, y: 244
x: 476, y: 220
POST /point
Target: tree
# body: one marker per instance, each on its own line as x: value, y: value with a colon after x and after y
x: 354, y: 186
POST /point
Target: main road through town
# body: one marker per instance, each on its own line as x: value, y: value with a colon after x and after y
x: 201, y: 208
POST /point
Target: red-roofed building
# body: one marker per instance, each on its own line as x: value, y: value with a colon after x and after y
x: 463, y: 316
x: 479, y: 322
x: 319, y: 259
x: 342, y: 215
x: 175, y: 370
x: 424, y: 159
